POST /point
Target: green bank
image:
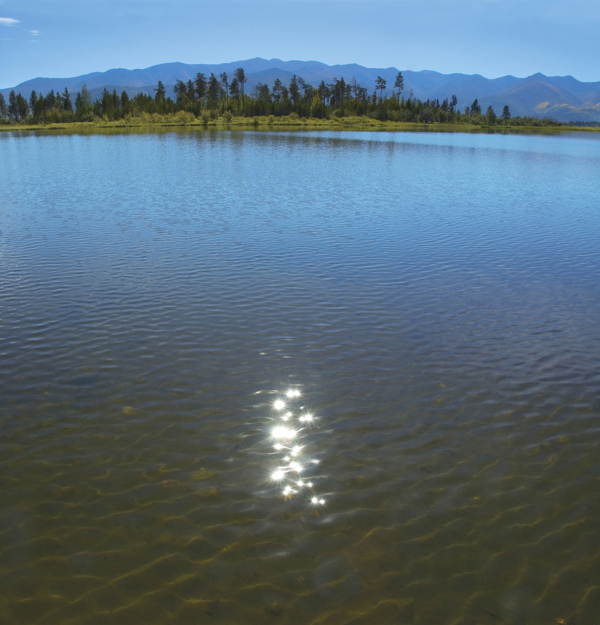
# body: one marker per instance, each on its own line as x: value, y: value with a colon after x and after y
x: 157, y: 123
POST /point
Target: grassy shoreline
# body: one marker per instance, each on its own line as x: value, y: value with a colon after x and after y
x: 159, y: 123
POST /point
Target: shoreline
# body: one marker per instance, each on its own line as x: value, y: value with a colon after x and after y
x: 171, y: 123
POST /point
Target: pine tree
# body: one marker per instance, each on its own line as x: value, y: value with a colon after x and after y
x: 399, y: 84
x: 67, y: 105
x: 200, y: 84
x: 380, y: 84
x: 3, y: 108
x: 294, y: 90
x: 83, y: 103
x: 240, y: 76
x: 225, y: 83
x: 13, y: 110
x: 214, y: 91
x: 22, y: 106
x: 277, y: 89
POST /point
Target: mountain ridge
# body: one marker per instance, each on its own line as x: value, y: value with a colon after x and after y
x: 563, y: 98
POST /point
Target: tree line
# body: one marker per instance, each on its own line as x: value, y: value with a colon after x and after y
x: 225, y: 96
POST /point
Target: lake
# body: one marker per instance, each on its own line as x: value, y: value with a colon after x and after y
x: 294, y: 378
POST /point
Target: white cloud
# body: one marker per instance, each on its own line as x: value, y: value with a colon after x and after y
x: 35, y: 33
x: 8, y: 21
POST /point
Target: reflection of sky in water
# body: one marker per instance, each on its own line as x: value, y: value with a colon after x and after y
x: 292, y: 426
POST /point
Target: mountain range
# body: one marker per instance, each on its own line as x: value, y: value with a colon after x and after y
x: 558, y: 97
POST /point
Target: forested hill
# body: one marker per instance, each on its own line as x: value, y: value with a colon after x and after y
x: 560, y: 98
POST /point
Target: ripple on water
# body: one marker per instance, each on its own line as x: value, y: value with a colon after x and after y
x: 433, y: 299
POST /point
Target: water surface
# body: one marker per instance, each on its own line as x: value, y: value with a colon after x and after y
x: 434, y: 298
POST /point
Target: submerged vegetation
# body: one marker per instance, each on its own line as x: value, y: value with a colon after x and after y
x: 223, y: 101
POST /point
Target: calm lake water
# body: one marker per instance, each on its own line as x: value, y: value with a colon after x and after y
x: 426, y: 306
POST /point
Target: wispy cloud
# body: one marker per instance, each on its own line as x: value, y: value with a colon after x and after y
x: 34, y: 33
x: 8, y: 21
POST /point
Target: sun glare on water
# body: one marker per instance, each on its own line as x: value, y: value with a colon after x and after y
x: 293, y: 461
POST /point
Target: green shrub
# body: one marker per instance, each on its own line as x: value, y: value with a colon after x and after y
x: 54, y: 116
x: 184, y: 118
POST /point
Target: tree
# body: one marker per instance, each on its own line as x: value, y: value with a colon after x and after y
x: 241, y: 79
x: 200, y: 83
x: 399, y: 84
x: 180, y: 90
x: 490, y: 116
x: 124, y: 101
x: 161, y: 92
x: 190, y: 90
x: 380, y: 84
x: 338, y: 90
x: 108, y: 104
x: 307, y: 90
x: 234, y: 88
x: 50, y: 100
x: 22, y: 106
x: 13, y: 109
x: 262, y: 92
x: 342, y: 86
x: 225, y: 83
x: 360, y: 93
x: 324, y: 92
x: 475, y: 108
x: 40, y: 110
x: 83, y: 103
x: 3, y: 109
x: 67, y: 105
x: 505, y: 113
x: 294, y: 90
x: 354, y: 86
x: 214, y: 91
x: 453, y: 103
x: 277, y: 89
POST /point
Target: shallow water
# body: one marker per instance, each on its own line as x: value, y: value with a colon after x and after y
x: 435, y: 298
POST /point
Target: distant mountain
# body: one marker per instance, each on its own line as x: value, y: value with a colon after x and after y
x: 560, y: 97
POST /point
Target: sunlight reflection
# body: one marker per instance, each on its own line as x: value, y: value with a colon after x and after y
x: 283, y: 432
x: 293, y: 461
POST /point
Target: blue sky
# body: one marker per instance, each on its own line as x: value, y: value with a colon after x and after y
x: 63, y: 38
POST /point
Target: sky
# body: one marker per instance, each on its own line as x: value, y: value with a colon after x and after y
x: 66, y: 38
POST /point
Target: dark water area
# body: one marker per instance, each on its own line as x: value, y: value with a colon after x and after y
x: 320, y: 377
